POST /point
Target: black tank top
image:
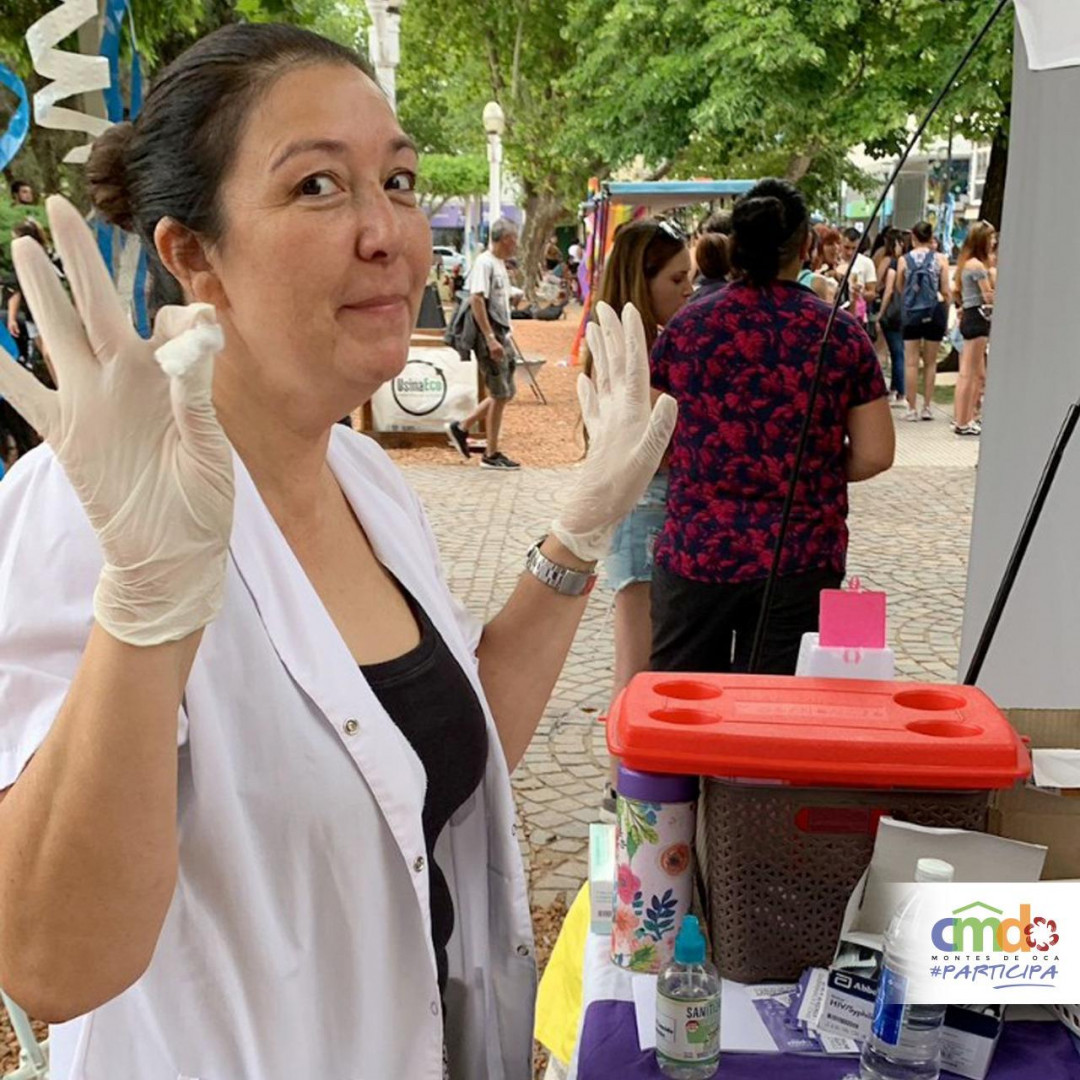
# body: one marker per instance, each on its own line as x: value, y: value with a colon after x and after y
x: 432, y: 701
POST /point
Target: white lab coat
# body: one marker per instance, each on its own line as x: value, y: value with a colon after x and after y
x: 298, y: 940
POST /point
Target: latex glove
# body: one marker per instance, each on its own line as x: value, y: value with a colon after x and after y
x: 627, y: 436
x: 134, y: 428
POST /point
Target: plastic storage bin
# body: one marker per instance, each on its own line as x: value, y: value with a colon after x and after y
x: 799, y: 772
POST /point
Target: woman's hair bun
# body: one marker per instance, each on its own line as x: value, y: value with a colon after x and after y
x: 106, y: 174
x: 761, y: 221
x: 769, y: 225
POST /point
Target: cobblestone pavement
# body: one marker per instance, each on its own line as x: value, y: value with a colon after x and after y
x: 910, y: 531
x: 909, y: 536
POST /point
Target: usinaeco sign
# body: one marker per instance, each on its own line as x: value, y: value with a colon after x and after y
x: 420, y: 389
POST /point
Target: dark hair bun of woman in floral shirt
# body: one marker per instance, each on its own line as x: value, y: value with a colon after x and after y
x: 769, y: 226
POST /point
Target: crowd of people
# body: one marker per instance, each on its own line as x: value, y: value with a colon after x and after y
x: 256, y: 753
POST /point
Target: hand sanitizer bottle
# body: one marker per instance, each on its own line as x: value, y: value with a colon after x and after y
x: 688, y: 1010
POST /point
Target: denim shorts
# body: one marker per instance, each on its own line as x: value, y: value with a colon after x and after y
x: 631, y: 557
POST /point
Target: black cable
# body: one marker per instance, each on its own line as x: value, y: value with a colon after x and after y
x: 819, y: 369
x: 1035, y: 510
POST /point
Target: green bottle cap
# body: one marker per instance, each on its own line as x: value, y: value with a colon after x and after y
x: 690, y: 944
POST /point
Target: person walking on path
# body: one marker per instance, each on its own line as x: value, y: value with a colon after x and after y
x: 649, y: 267
x: 923, y: 281
x: 489, y: 288
x: 974, y: 292
x: 890, y: 317
x: 254, y: 756
x: 739, y: 367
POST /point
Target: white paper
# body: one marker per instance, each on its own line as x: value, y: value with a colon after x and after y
x: 1056, y: 768
x: 644, y: 987
x: 900, y: 845
x: 741, y: 1026
x: 1051, y: 30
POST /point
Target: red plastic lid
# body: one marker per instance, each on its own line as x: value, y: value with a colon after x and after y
x: 816, y: 732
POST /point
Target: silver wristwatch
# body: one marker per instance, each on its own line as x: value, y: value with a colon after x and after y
x: 562, y: 579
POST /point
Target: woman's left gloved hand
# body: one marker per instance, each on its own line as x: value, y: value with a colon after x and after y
x: 627, y: 435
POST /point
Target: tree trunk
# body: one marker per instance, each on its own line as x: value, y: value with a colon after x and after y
x: 798, y: 167
x: 542, y: 213
x: 993, y: 196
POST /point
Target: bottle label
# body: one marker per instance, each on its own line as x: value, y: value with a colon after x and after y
x: 888, y: 1022
x: 688, y: 1032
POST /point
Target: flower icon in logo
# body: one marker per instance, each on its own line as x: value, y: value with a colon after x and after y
x: 1041, y: 933
x: 628, y: 884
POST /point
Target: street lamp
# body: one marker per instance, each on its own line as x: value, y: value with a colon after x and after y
x: 494, y: 126
x: 384, y: 36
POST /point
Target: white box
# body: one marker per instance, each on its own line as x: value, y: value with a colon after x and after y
x: 601, y: 877
x: 820, y: 662
x: 968, y: 1041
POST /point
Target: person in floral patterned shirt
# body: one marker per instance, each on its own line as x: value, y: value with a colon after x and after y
x: 740, y: 366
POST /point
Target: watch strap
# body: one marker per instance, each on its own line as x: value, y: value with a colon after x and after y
x: 562, y: 579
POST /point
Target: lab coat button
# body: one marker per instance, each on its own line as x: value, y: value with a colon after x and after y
x: 419, y: 864
x: 434, y: 1008
x: 523, y: 950
x: 351, y: 727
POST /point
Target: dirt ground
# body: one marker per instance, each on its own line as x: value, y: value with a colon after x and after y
x: 537, y: 435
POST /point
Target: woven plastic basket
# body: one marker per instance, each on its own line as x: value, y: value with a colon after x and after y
x: 780, y: 864
x: 1069, y: 1015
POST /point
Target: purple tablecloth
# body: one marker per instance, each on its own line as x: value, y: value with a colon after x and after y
x: 609, y: 1051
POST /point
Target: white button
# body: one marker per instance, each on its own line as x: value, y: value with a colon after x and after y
x: 351, y: 727
x: 419, y: 864
x: 513, y: 830
x: 434, y: 1008
x: 523, y: 950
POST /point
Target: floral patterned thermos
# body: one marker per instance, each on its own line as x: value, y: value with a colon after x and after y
x: 654, y: 836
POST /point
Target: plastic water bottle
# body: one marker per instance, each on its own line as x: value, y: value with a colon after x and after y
x: 688, y: 1010
x: 905, y: 1039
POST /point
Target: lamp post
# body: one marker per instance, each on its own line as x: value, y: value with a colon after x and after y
x: 494, y: 126
x: 384, y: 37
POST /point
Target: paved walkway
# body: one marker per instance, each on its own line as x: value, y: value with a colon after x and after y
x: 910, y: 530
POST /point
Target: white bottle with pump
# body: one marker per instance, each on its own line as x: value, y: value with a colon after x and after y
x: 905, y: 1039
x: 688, y: 1010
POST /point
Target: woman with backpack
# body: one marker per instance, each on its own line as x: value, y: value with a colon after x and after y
x: 922, y: 277
x: 890, y: 317
x: 974, y: 292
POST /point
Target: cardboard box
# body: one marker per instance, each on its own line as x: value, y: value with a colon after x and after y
x: 968, y: 1040
x: 601, y: 877
x: 1041, y: 816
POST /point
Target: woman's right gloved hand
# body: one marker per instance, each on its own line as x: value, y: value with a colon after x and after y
x: 133, y: 425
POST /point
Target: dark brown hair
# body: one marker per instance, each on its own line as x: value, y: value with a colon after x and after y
x: 923, y: 232
x: 172, y: 161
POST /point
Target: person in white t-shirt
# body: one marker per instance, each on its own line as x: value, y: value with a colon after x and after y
x: 863, y: 281
x: 494, y: 349
x: 254, y: 757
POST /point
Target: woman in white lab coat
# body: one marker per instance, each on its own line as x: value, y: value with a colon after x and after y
x: 257, y: 820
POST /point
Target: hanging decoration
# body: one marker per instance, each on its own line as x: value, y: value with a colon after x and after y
x: 72, y: 73
x: 11, y: 140
x: 123, y: 253
x: 76, y: 73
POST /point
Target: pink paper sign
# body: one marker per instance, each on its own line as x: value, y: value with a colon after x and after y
x: 851, y: 618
